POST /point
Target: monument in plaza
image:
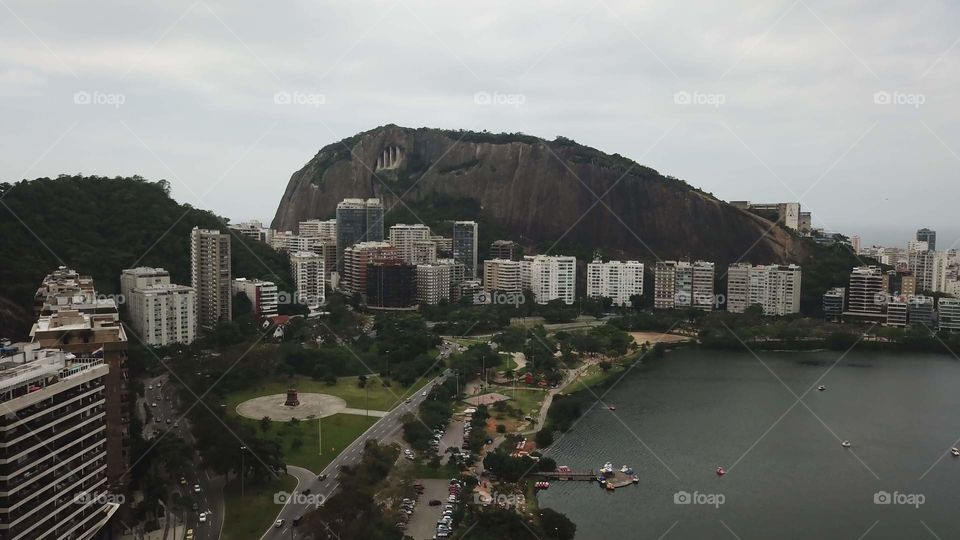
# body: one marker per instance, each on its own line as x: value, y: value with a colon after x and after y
x: 292, y: 399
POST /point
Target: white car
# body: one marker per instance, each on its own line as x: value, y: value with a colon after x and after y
x: 196, y: 488
x: 424, y: 394
x: 203, y: 517
x: 278, y: 523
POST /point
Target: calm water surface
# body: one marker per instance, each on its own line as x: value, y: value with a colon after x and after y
x: 679, y: 418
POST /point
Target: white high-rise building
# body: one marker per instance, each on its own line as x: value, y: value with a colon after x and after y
x: 164, y: 314
x: 553, y: 277
x: 617, y: 280
x: 433, y: 283
x: 316, y: 228
x: 140, y: 277
x: 867, y: 294
x: 949, y: 309
x: 403, y: 237
x: 775, y: 288
x: 54, y: 438
x: 501, y: 275
x: 263, y: 295
x: 253, y: 229
x: 307, y: 270
x: 210, y: 275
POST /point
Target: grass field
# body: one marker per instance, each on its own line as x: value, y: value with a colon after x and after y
x: 250, y: 515
x: 381, y: 399
x: 337, y: 432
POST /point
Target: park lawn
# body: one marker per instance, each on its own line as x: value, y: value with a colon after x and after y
x: 347, y: 388
x: 252, y: 514
x: 337, y: 432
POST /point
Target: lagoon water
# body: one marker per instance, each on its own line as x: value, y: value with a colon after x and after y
x: 681, y: 416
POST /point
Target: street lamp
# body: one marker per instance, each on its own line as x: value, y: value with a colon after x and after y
x: 243, y: 471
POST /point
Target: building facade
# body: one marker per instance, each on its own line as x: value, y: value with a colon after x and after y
x: 501, y: 275
x: 505, y: 249
x: 316, y: 228
x: 617, y: 280
x: 140, y: 277
x: 391, y: 284
x: 263, y: 295
x: 553, y: 277
x: 307, y: 270
x: 358, y: 220
x: 433, y: 283
x: 465, y: 246
x: 55, y: 450
x: 353, y: 280
x: 164, y: 314
x: 775, y: 288
x: 834, y: 304
x: 403, y: 237
x: 866, y: 295
x: 210, y: 276
x: 949, y: 314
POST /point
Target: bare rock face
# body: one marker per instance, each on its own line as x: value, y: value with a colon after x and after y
x: 540, y: 191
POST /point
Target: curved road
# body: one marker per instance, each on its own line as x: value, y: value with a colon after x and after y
x: 388, y: 426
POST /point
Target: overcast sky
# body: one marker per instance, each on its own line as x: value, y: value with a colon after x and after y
x: 756, y: 100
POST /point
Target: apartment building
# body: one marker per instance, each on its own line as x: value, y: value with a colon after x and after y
x: 684, y: 285
x: 353, y: 280
x: 866, y: 295
x: 775, y: 288
x: 254, y: 230
x: 665, y: 285
x: 391, y: 284
x: 316, y: 228
x: 307, y: 270
x: 210, y: 276
x: 164, y: 314
x: 456, y: 276
x: 141, y: 277
x: 54, y: 435
x: 424, y: 252
x: 834, y: 304
x: 617, y: 280
x: 433, y: 283
x: 465, y: 246
x: 949, y: 309
x: 358, y: 220
x: 898, y: 312
x: 505, y: 249
x: 263, y: 295
x: 403, y: 237
x: 553, y: 277
x: 501, y: 275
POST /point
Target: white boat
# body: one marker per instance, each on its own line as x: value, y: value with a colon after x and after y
x: 607, y: 468
x: 846, y: 444
x: 821, y: 388
x: 955, y: 451
x: 626, y: 470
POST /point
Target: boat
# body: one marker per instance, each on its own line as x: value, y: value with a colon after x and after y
x: 721, y: 471
x: 607, y: 468
x: 955, y: 451
x: 821, y: 388
x: 846, y: 444
x: 612, y: 407
x: 542, y: 485
x: 636, y: 479
x: 626, y: 470
x: 610, y: 487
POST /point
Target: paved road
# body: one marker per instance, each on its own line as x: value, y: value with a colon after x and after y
x: 384, y: 429
x: 210, y: 498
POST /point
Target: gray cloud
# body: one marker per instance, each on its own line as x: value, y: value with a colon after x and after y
x: 798, y: 80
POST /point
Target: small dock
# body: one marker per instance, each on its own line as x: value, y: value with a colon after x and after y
x: 614, y: 480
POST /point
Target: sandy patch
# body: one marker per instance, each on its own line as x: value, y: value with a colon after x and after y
x: 656, y: 337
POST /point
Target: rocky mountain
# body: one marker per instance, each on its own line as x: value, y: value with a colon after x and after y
x: 533, y: 190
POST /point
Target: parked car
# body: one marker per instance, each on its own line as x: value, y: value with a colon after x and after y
x: 278, y: 523
x: 434, y: 502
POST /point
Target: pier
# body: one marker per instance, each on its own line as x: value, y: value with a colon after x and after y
x: 613, y: 481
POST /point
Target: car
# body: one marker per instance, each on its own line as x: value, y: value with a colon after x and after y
x: 154, y: 404
x: 408, y: 400
x: 296, y: 521
x: 150, y: 387
x: 196, y: 488
x: 434, y: 502
x: 203, y: 517
x: 189, y: 534
x: 278, y: 523
x: 183, y: 481
x: 410, y: 457
x: 452, y: 498
x: 176, y: 424
x: 321, y: 477
x: 195, y: 507
x: 159, y: 384
x: 169, y: 421
x: 424, y: 394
